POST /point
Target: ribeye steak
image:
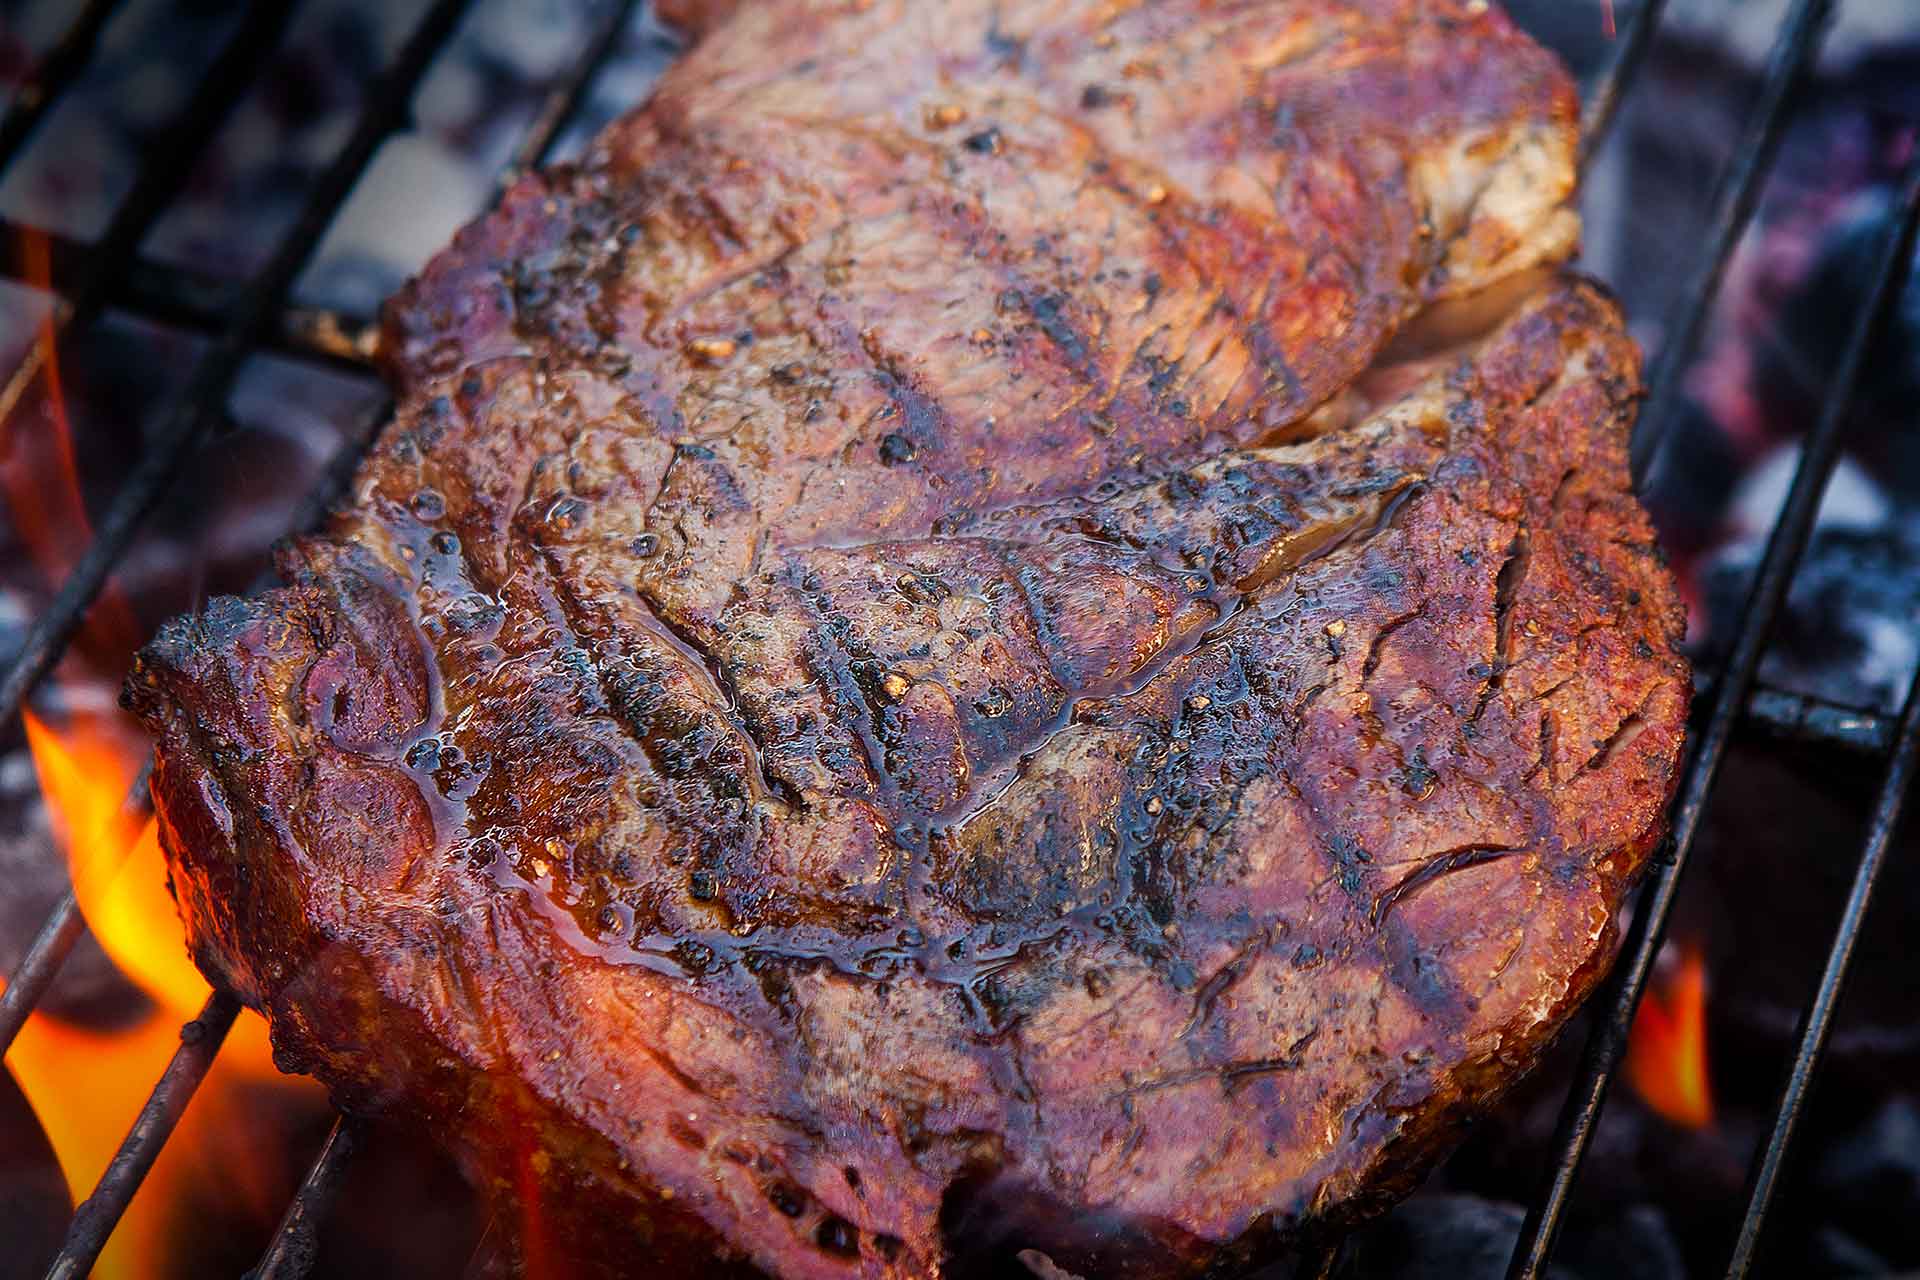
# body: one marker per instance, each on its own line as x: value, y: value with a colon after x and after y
x: 928, y: 672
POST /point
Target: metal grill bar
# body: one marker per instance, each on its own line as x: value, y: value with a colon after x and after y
x: 1604, y: 104
x: 160, y: 179
x: 1735, y: 198
x: 28, y: 982
x: 96, y: 1218
x: 55, y: 942
x: 296, y: 1241
x: 201, y: 406
x: 178, y: 297
x: 1768, y: 592
x: 1891, y: 271
x: 1799, y: 717
x: 51, y: 78
x: 1817, y: 1025
x: 566, y: 98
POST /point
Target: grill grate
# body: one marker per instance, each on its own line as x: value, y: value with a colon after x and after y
x: 1734, y: 201
x: 110, y: 273
x: 1734, y: 204
x: 97, y: 266
x: 44, y: 85
x: 179, y: 298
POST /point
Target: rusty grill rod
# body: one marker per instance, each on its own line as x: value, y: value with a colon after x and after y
x: 62, y: 929
x: 1785, y: 545
x: 1891, y: 271
x: 296, y: 1241
x: 202, y: 405
x: 97, y: 1216
x: 1736, y: 196
x: 55, y: 74
x: 1603, y: 105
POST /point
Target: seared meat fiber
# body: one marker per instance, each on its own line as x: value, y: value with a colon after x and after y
x: 909, y: 684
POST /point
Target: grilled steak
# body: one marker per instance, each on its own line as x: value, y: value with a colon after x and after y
x: 914, y: 685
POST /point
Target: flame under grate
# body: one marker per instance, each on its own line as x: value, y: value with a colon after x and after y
x: 110, y: 273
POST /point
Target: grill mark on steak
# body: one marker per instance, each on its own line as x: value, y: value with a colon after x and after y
x: 1161, y: 221
x: 924, y: 424
x: 1374, y: 646
x: 1223, y: 978
x: 1507, y: 584
x: 1227, y: 1074
x: 1619, y: 740
x: 834, y: 665
x: 1434, y: 868
x: 718, y: 684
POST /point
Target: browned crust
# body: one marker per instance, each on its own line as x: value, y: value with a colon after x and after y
x: 1105, y: 792
x: 1457, y: 711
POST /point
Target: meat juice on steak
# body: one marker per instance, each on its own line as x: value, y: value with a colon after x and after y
x: 892, y: 698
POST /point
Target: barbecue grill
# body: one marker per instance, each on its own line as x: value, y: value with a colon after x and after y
x: 111, y: 273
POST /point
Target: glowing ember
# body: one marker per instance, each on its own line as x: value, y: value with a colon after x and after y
x: 1667, y: 1051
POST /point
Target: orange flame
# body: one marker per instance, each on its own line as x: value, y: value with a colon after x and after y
x: 1667, y: 1050
x: 87, y: 1085
x: 119, y: 876
x: 40, y: 478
